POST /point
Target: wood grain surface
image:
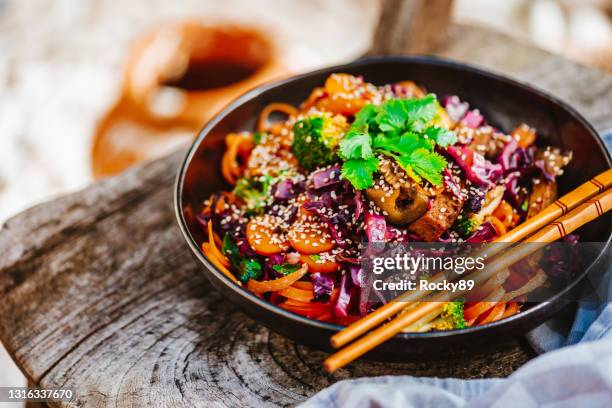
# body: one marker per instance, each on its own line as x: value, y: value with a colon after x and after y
x: 99, y: 292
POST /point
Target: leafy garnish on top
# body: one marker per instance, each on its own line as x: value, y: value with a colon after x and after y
x: 246, y: 268
x: 398, y: 128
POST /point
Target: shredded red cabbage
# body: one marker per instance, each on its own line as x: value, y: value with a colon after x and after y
x: 284, y: 190
x: 450, y: 184
x: 561, y: 260
x: 477, y: 169
x: 474, y: 201
x: 455, y: 108
x: 473, y: 119
x: 344, y: 297
x: 334, y: 223
x: 375, y: 227
x: 323, y: 287
x: 359, y: 205
x: 326, y: 177
x: 485, y: 233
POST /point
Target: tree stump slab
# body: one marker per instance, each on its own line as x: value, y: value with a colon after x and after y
x: 100, y: 294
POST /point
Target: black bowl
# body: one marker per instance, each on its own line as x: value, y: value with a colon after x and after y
x: 504, y: 102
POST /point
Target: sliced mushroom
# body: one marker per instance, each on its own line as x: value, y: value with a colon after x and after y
x: 403, y: 206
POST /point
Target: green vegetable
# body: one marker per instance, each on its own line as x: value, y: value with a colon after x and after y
x: 398, y: 128
x: 451, y: 316
x: 525, y: 205
x: 315, y: 140
x: 360, y: 172
x: 259, y: 137
x: 256, y: 192
x: 467, y: 223
x: 247, y: 268
x: 315, y: 257
x: 286, y: 268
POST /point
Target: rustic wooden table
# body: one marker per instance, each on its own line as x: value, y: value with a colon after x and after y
x: 99, y: 292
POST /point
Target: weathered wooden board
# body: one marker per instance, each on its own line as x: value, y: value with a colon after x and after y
x: 99, y: 293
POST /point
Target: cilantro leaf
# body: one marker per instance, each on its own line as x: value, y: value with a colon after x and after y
x: 403, y: 144
x: 425, y: 164
x: 359, y: 172
x: 286, y: 268
x: 364, y: 116
x: 356, y: 145
x: 246, y: 268
x: 441, y: 136
x: 249, y: 269
x: 398, y: 128
x: 421, y: 112
x: 392, y: 115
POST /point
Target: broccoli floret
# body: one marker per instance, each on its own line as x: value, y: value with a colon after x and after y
x: 254, y: 192
x: 315, y: 140
x: 467, y: 223
x: 451, y: 316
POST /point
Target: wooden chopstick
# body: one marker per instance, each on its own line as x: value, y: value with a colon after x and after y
x: 582, y: 214
x: 568, y: 202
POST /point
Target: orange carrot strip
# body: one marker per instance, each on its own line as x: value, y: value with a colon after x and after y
x: 277, y: 284
x: 512, y: 309
x: 307, y: 312
x: 504, y: 213
x: 471, y: 314
x: 213, y: 247
x: 495, y: 314
x: 262, y: 123
x: 499, y: 226
x: 303, y: 285
x: 525, y: 135
x: 208, y: 252
x: 297, y: 294
x: 229, y: 165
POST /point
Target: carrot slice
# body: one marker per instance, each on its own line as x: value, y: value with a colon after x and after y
x: 209, y: 253
x: 310, y: 237
x: 262, y: 235
x: 276, y: 284
x: 322, y: 266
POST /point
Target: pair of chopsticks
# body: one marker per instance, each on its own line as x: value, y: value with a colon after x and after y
x: 587, y: 202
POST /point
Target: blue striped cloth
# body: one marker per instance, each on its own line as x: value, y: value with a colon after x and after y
x: 576, y: 370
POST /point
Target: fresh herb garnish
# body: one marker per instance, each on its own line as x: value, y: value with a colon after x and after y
x: 248, y: 268
x: 400, y: 129
x: 258, y: 137
x: 286, y: 268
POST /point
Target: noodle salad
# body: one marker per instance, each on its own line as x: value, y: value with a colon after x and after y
x: 358, y: 163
